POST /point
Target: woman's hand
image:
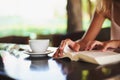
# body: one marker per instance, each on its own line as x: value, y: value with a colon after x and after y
x: 111, y: 44
x: 72, y: 44
x: 103, y: 45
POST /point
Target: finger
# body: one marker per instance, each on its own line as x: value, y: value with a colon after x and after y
x: 63, y: 44
x: 90, y: 45
x: 105, y: 47
x: 60, y: 54
x: 56, y: 53
x: 61, y: 48
x: 93, y: 44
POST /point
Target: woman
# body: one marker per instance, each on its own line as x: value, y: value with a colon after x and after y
x: 105, y: 9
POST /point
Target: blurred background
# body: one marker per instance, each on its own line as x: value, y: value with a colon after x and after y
x: 38, y: 19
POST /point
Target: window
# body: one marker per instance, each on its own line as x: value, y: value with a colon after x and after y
x: 31, y: 17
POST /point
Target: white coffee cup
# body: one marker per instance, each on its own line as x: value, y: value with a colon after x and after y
x: 39, y: 45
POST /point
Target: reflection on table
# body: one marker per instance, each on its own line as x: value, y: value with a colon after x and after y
x: 46, y: 68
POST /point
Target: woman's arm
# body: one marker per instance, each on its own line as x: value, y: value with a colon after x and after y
x: 94, y: 27
x: 90, y: 35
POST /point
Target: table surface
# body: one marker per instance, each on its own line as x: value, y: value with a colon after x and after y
x: 47, y: 68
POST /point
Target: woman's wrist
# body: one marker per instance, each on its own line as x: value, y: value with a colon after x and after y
x: 82, y: 42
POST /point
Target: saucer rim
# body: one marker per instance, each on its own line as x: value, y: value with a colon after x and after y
x: 46, y: 52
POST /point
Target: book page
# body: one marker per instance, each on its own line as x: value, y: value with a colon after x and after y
x: 94, y: 56
x: 92, y: 53
x: 97, y: 53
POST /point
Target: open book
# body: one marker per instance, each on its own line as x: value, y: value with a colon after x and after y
x: 94, y: 56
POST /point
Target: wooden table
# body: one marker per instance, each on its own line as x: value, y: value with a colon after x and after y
x: 46, y: 68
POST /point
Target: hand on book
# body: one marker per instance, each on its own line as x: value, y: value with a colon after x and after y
x: 112, y: 44
x: 73, y: 45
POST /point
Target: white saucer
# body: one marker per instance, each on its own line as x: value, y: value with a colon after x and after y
x: 32, y: 54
